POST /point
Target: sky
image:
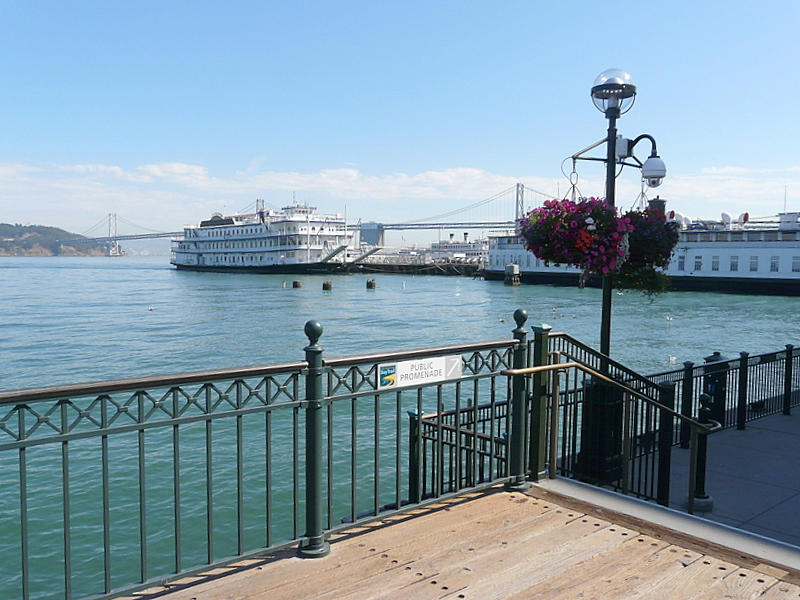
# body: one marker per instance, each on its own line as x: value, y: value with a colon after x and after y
x: 163, y: 112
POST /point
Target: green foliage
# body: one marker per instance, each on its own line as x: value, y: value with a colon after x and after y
x: 39, y: 240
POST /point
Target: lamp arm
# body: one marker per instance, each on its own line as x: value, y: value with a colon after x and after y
x: 578, y: 155
x: 645, y: 136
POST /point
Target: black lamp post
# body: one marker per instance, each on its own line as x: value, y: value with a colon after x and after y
x: 600, y: 457
x: 614, y: 93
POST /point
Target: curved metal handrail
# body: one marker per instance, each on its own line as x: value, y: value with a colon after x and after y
x: 697, y: 428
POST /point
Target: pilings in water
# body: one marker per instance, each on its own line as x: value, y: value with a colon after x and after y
x: 512, y: 275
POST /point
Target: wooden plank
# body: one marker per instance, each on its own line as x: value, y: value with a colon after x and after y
x: 601, y: 570
x: 409, y: 543
x: 781, y: 590
x: 702, y: 573
x: 408, y: 563
x: 679, y: 538
x: 519, y: 566
x: 661, y: 577
x: 742, y: 584
x: 436, y: 520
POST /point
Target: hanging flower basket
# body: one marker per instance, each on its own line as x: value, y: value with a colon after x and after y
x: 586, y: 234
x: 632, y: 248
x: 652, y: 242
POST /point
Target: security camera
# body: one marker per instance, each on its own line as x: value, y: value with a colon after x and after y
x: 653, y: 171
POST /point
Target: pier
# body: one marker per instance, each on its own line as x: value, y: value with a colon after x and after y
x: 338, y: 476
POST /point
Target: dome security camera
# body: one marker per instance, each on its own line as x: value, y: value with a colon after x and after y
x: 653, y: 171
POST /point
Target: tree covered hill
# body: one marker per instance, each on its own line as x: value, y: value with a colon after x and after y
x: 38, y: 240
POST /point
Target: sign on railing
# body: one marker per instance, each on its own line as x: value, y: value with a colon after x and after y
x: 420, y: 372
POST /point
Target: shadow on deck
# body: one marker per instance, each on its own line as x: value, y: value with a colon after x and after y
x: 541, y: 544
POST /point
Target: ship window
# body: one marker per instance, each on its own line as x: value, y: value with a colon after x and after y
x: 681, y: 263
x: 698, y: 263
x: 774, y: 263
x: 715, y: 263
x: 796, y: 264
x: 734, y: 263
x: 753, y: 263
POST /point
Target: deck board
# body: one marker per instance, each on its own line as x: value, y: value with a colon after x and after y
x: 491, y: 545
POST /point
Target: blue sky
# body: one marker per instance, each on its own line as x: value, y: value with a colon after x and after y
x: 163, y: 112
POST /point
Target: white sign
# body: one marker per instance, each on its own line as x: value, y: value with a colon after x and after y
x: 419, y: 372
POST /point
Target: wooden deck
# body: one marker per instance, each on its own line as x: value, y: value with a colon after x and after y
x: 498, y: 545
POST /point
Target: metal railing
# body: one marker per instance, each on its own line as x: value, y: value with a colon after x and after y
x: 634, y: 455
x: 113, y: 487
x: 741, y: 389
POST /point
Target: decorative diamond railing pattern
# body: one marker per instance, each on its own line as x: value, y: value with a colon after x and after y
x: 102, y: 413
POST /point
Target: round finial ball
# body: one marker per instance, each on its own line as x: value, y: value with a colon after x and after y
x: 520, y: 316
x: 313, y: 331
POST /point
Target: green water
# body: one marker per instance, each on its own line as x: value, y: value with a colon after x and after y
x: 73, y: 320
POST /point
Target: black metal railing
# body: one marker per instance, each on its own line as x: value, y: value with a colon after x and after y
x: 741, y: 389
x: 632, y: 451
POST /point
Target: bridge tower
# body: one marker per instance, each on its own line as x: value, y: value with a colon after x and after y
x: 113, y: 247
x: 520, y: 202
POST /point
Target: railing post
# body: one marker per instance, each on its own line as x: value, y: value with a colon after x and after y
x: 313, y: 545
x: 687, y: 395
x: 715, y: 379
x: 516, y: 443
x: 787, y: 381
x: 537, y: 453
x: 702, y: 501
x: 414, y: 495
x: 666, y: 396
x: 741, y: 404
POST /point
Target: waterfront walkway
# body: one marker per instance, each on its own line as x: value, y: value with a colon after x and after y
x: 501, y: 545
x: 753, y: 477
x: 562, y: 539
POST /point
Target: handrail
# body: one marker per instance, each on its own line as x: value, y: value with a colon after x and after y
x: 168, y: 380
x: 151, y: 381
x: 419, y: 352
x: 601, y: 357
x: 697, y: 428
x: 623, y: 387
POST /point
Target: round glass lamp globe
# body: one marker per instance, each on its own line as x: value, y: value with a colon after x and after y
x: 614, y: 88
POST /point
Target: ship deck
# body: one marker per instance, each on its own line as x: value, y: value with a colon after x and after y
x: 495, y: 544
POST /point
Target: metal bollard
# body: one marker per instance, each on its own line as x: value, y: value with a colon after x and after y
x: 702, y: 501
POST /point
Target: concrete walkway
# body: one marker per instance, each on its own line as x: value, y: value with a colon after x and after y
x: 753, y: 477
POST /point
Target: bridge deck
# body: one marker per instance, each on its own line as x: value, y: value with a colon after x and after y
x: 497, y: 545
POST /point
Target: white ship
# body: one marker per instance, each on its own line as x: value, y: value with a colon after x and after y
x: 293, y: 240
x: 740, y: 255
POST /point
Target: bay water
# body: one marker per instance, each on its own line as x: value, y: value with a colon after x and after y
x: 71, y: 320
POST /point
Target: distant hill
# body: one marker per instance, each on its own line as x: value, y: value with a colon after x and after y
x: 38, y: 240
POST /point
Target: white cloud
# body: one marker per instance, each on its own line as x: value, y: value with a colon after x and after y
x: 166, y: 195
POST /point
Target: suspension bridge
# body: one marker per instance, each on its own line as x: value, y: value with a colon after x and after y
x: 501, y: 211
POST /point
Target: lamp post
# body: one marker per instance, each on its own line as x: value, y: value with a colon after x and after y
x: 614, y: 94
x: 600, y: 458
